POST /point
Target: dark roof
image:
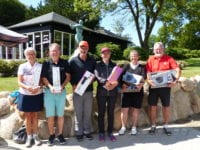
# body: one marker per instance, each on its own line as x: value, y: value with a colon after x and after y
x: 50, y: 17
x: 54, y: 17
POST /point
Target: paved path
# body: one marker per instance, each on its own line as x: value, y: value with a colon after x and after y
x: 183, y: 138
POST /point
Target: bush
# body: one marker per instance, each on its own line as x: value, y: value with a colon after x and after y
x: 115, y: 50
x: 9, y: 68
x: 178, y: 53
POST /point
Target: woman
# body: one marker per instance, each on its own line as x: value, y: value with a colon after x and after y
x: 132, y: 100
x: 106, y: 94
x: 31, y: 96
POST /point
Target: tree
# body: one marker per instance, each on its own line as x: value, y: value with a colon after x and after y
x: 86, y: 10
x: 143, y: 13
x: 12, y: 12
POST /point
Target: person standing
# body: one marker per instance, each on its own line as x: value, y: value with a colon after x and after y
x: 30, y: 95
x: 132, y: 100
x: 160, y: 62
x: 82, y: 104
x: 106, y: 94
x: 55, y: 75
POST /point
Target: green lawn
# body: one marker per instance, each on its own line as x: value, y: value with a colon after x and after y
x: 192, y: 69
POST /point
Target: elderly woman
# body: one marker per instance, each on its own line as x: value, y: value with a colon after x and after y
x: 31, y: 96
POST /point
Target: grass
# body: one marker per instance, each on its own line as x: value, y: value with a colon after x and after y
x: 192, y: 68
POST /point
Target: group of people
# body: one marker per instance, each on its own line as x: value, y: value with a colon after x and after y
x: 56, y: 73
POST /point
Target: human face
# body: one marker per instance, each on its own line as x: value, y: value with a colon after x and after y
x: 106, y: 56
x: 54, y: 53
x: 83, y: 50
x: 158, y: 50
x: 134, y: 57
x: 30, y: 56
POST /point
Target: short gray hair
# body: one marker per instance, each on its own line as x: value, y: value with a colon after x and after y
x: 29, y: 49
x: 160, y: 44
x: 54, y: 45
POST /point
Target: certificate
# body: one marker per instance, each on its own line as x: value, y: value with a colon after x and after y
x: 36, y: 75
x: 82, y: 85
x: 56, y: 79
x: 162, y: 78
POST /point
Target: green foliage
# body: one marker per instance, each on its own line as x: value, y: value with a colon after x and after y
x: 116, y: 52
x: 12, y: 12
x: 181, y: 53
x: 9, y: 68
x: 143, y: 53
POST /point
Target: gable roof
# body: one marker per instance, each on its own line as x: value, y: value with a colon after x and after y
x: 50, y: 17
x: 54, y: 17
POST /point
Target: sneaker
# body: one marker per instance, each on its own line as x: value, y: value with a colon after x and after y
x: 133, y: 131
x: 101, y: 137
x: 37, y: 141
x: 112, y: 137
x: 89, y: 136
x: 29, y: 142
x: 51, y: 140
x: 61, y: 139
x: 122, y: 131
x: 79, y: 138
x: 152, y: 130
x: 167, y: 132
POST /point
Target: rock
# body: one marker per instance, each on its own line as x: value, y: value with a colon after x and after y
x: 4, y: 106
x: 4, y: 94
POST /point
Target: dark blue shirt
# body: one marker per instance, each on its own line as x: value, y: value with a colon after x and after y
x: 78, y: 68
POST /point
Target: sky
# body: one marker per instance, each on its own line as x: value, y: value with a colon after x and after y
x: 107, y: 23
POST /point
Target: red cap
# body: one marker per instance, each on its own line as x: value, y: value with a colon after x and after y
x: 105, y: 49
x: 84, y: 43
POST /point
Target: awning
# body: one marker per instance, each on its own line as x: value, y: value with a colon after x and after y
x: 10, y: 38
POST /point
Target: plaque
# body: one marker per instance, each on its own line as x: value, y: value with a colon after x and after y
x: 56, y: 79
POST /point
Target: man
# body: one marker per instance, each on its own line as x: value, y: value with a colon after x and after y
x: 106, y: 94
x: 55, y: 75
x: 160, y: 62
x: 82, y: 104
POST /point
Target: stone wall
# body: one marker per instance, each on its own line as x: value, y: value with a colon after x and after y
x: 185, y: 101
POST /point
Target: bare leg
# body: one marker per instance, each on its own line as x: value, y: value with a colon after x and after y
x: 51, y: 125
x: 28, y: 122
x: 124, y: 116
x: 60, y: 125
x: 35, y: 122
x: 135, y: 113
x: 153, y: 110
x: 166, y: 113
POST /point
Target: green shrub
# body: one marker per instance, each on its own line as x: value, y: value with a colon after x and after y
x: 9, y: 68
x: 115, y: 50
x: 178, y: 53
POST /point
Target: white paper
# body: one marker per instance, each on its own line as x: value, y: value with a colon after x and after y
x: 56, y: 79
x: 84, y: 83
x: 36, y: 75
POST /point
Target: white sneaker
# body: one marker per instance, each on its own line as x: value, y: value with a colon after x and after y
x: 28, y: 142
x: 37, y: 141
x: 122, y: 131
x: 133, y: 131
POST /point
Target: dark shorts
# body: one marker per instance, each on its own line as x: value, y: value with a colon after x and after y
x: 162, y: 93
x: 30, y: 103
x: 132, y: 100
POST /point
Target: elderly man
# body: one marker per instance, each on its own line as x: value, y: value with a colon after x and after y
x: 82, y: 104
x: 55, y: 74
x: 160, y: 62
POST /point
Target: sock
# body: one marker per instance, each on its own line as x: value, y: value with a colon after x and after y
x: 34, y: 135
x: 153, y: 125
x: 29, y: 136
x: 165, y: 126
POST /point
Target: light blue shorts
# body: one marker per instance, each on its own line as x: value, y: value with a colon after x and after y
x: 54, y: 103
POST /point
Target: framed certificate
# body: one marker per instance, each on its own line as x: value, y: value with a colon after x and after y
x: 36, y: 75
x: 116, y: 72
x: 163, y: 78
x: 82, y: 85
